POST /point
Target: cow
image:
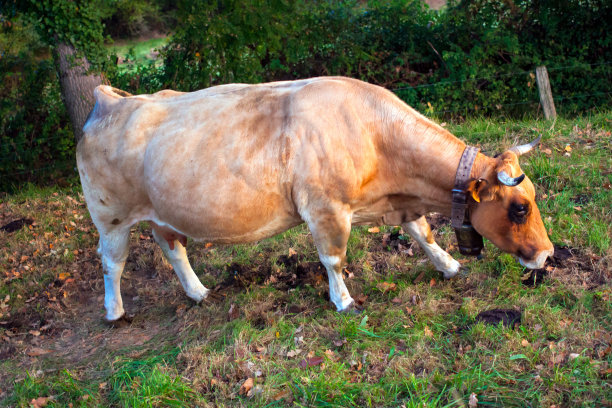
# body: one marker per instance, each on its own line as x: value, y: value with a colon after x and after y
x: 238, y: 163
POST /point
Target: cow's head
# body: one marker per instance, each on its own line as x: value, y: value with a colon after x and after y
x: 504, y: 209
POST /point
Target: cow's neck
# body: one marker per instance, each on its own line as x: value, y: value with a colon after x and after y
x: 427, y: 161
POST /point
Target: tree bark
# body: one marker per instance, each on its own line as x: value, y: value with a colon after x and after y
x: 77, y: 86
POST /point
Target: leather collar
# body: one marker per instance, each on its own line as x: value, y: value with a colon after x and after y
x: 459, y: 208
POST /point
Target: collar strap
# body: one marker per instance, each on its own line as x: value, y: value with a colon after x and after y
x: 458, y: 211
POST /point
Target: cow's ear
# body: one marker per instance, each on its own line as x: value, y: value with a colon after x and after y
x: 476, y: 188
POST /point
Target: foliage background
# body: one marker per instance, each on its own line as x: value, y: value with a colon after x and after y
x: 471, y: 58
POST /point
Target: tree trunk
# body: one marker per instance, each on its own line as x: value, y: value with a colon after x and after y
x: 77, y: 86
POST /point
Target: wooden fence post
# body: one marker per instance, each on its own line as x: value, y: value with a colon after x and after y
x: 546, y: 99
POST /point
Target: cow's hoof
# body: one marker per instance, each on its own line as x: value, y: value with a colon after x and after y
x: 351, y: 309
x: 453, y: 269
x: 123, y: 321
x: 198, y: 294
x: 113, y: 312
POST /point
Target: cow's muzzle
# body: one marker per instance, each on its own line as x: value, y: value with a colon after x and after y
x: 538, y: 261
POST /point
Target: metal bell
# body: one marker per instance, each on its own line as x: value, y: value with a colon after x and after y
x: 469, y: 240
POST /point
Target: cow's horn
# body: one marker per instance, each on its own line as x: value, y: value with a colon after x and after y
x: 522, y: 149
x: 505, y: 179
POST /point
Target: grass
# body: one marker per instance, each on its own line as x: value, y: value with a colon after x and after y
x: 415, y: 345
x: 137, y: 52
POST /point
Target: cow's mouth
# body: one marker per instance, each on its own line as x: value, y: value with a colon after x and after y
x: 538, y: 261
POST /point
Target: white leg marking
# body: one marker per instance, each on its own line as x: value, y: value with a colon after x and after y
x: 113, y: 247
x: 443, y: 262
x: 112, y: 290
x: 178, y: 259
x: 338, y: 292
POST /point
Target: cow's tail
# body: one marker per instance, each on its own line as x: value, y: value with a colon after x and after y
x: 106, y: 98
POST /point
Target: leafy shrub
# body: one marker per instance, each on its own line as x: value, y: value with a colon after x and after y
x: 484, y: 52
x: 35, y: 135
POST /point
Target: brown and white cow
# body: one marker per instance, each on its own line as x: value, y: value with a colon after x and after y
x: 238, y: 163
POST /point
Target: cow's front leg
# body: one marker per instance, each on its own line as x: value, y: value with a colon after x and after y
x: 113, y: 249
x: 175, y: 253
x: 330, y: 231
x: 420, y: 231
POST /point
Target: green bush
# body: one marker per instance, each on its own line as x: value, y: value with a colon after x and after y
x: 483, y: 52
x: 36, y: 140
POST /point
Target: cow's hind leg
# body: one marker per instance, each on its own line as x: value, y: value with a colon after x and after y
x: 420, y: 231
x: 175, y: 253
x: 330, y: 231
x: 113, y: 249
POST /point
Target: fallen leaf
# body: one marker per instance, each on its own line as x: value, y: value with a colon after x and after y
x: 558, y: 359
x: 568, y: 148
x: 578, y: 208
x: 546, y: 151
x: 292, y: 252
x: 208, y: 245
x: 473, y: 403
x: 602, y: 353
x: 40, y: 402
x: 35, y: 333
x: 37, y: 351
x: 361, y: 299
x: 427, y: 331
x: 396, y: 300
x: 233, y: 313
x: 181, y: 309
x: 280, y: 395
x: 256, y: 390
x: 340, y: 343
x: 420, y: 277
x: 311, y: 362
x: 293, y: 353
x: 374, y: 230
x: 102, y: 385
x: 246, y: 386
x: 386, y: 286
x: 408, y: 251
x: 258, y: 349
x: 330, y: 354
x: 432, y: 282
x: 525, y: 343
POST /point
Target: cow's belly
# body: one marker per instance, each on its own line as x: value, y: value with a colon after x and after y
x: 218, y: 219
x: 210, y: 199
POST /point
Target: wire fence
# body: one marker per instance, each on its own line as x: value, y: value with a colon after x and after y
x: 66, y: 167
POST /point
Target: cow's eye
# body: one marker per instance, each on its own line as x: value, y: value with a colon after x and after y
x: 518, y: 213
